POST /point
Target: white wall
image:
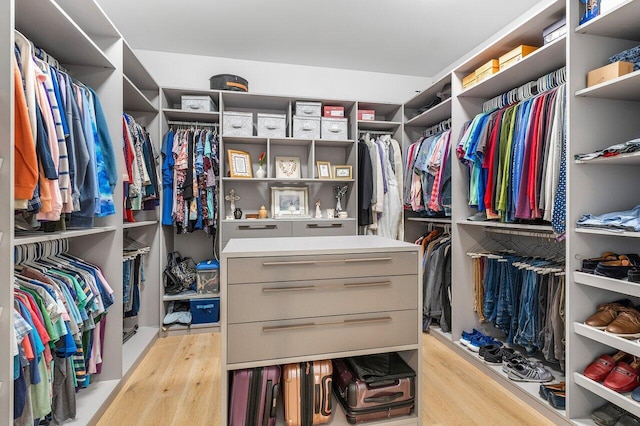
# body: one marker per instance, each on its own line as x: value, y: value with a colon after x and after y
x: 192, y: 71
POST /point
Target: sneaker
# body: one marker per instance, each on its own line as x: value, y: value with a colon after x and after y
x: 492, y: 348
x: 525, y: 372
x: 495, y: 356
x: 466, y: 337
x: 478, y: 342
x: 511, y: 356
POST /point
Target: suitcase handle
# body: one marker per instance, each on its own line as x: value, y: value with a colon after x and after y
x: 325, y: 287
x: 313, y: 325
x: 384, y: 399
x: 316, y: 262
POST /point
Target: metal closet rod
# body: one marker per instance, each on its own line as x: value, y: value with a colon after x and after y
x: 539, y: 234
x: 192, y: 123
x: 375, y: 132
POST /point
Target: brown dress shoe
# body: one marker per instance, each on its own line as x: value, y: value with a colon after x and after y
x: 626, y: 324
x: 605, y: 314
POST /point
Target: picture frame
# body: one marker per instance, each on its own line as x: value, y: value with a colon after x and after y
x: 343, y: 172
x: 324, y: 169
x: 239, y: 164
x: 287, y: 167
x: 289, y: 202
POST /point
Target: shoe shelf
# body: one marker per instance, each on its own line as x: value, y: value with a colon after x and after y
x: 622, y: 400
x: 621, y: 22
x: 631, y: 159
x: 629, y: 346
x: 609, y: 232
x: 437, y: 331
x: 528, y: 390
x: 606, y: 283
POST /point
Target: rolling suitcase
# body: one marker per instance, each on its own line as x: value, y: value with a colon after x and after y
x: 254, y: 395
x: 379, y: 396
x: 307, y: 393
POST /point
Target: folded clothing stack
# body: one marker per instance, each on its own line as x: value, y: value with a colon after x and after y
x: 611, y: 151
x: 628, y: 220
x: 630, y: 55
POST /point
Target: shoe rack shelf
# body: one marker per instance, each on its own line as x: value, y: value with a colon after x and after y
x: 629, y: 346
x: 526, y: 390
x: 606, y: 283
x: 622, y: 400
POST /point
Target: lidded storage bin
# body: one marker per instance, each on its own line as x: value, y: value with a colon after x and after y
x: 272, y: 125
x: 205, y: 311
x: 197, y: 103
x: 306, y: 127
x: 309, y: 109
x: 236, y: 123
x: 334, y: 128
x: 207, y: 277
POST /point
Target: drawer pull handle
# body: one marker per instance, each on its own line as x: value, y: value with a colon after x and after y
x: 271, y: 126
x: 236, y: 125
x: 325, y: 287
x: 313, y: 325
x: 318, y: 262
x: 251, y: 227
x: 318, y: 225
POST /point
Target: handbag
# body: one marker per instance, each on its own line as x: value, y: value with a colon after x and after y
x: 179, y: 274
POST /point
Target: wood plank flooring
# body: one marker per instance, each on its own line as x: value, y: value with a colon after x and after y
x: 177, y: 384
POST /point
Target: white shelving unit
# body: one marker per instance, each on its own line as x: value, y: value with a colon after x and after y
x: 599, y: 116
x: 100, y: 58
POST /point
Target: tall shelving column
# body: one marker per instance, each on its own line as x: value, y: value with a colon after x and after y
x: 416, y: 122
x: 599, y: 116
x: 6, y: 224
x: 140, y: 99
x: 466, y: 104
x: 96, y: 59
x: 196, y: 245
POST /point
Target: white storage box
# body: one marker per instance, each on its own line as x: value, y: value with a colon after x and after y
x: 272, y: 125
x: 334, y: 128
x: 235, y: 123
x: 308, y: 109
x: 306, y: 127
x: 197, y: 103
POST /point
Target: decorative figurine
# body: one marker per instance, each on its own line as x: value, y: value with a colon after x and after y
x: 262, y: 213
x: 237, y: 213
x: 318, y: 211
x: 339, y: 192
x: 232, y: 198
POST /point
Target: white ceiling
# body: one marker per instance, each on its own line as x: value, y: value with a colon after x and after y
x: 410, y: 37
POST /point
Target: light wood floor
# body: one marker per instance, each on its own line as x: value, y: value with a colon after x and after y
x: 177, y: 384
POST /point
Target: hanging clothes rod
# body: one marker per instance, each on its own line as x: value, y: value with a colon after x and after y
x: 528, y: 90
x: 442, y: 126
x: 536, y: 234
x: 192, y: 123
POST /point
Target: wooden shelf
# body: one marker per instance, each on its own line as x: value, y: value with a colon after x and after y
x: 621, y: 400
x: 134, y: 99
x: 547, y: 58
x: 606, y: 283
x: 610, y: 233
x: 631, y: 159
x: 627, y: 345
x: 48, y: 26
x: 204, y: 117
x: 37, y: 236
x: 129, y: 225
x: 625, y: 88
x: 432, y: 116
x: 621, y: 22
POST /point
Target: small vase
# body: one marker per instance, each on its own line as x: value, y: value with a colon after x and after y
x: 237, y: 213
x: 261, y: 173
x: 262, y: 213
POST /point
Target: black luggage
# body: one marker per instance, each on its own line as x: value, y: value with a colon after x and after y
x: 229, y: 82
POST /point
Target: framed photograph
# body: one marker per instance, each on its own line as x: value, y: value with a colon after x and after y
x: 289, y: 202
x: 239, y: 164
x: 288, y: 167
x: 324, y: 169
x: 342, y: 172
